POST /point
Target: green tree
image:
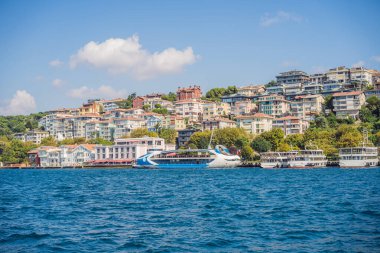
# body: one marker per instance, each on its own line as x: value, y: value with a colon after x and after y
x: 284, y: 147
x: 49, y: 141
x: 141, y: 132
x: 260, y: 144
x: 168, y: 134
x: 328, y: 103
x: 247, y: 153
x: 200, y: 139
x: 146, y: 108
x: 348, y: 136
x: 170, y: 97
x: 274, y: 137
x: 100, y: 141
x: 295, y: 141
x: 321, y: 122
x: 162, y: 111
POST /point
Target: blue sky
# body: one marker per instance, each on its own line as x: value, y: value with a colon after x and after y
x: 57, y: 53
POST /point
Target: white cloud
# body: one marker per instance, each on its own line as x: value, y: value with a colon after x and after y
x: 127, y: 56
x: 290, y: 64
x: 56, y: 63
x: 376, y: 58
x: 21, y: 103
x: 280, y: 17
x: 358, y: 64
x: 103, y: 91
x: 57, y: 83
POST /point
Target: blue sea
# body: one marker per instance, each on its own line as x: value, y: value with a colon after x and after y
x: 226, y: 210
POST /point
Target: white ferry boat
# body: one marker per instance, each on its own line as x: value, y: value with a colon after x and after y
x: 308, y: 158
x: 219, y: 157
x: 364, y: 156
x: 270, y: 160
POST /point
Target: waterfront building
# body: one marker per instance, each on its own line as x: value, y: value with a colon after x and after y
x: 76, y: 155
x: 274, y: 105
x: 189, y: 93
x: 184, y: 136
x: 127, y: 150
x: 215, y: 109
x: 256, y: 123
x: 217, y: 123
x: 104, y: 129
x: 191, y: 109
x: 251, y: 90
x: 49, y: 156
x: 243, y: 107
x: 348, y: 103
x: 291, y: 124
x: 307, y: 106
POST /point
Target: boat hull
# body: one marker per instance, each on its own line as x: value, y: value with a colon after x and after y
x: 358, y: 163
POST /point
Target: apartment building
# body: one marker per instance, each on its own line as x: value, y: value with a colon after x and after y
x: 276, y: 89
x: 291, y: 77
x: 274, y: 105
x: 215, y: 109
x: 218, y: 123
x: 93, y: 106
x: 348, y: 103
x: 256, y: 123
x: 191, y: 109
x: 184, y: 136
x: 109, y: 105
x: 291, y: 124
x: 34, y: 136
x: 339, y: 75
x: 251, y: 90
x: 125, y: 125
x: 189, y: 93
x: 104, y: 129
x: 307, y: 106
x: 173, y: 122
x: 362, y: 76
x: 243, y: 107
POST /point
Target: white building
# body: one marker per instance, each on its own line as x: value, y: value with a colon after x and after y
x: 361, y: 75
x: 307, y: 106
x: 125, y: 125
x: 291, y: 125
x: 274, y: 105
x: 348, y: 103
x: 34, y: 136
x: 100, y: 129
x: 109, y: 105
x: 218, y: 123
x: 191, y: 109
x: 243, y: 107
x: 251, y: 90
x: 128, y: 150
x: 256, y: 123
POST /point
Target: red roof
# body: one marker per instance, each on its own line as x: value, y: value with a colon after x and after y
x: 350, y: 93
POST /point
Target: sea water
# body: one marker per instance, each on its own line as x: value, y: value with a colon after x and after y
x: 180, y: 210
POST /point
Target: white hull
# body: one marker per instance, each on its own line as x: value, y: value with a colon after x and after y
x: 307, y: 164
x: 358, y: 163
x: 270, y: 165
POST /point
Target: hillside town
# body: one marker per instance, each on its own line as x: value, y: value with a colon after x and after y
x: 290, y: 103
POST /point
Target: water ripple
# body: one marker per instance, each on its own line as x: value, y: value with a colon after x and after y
x: 242, y: 210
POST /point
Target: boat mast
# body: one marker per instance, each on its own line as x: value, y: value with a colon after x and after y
x: 209, y: 144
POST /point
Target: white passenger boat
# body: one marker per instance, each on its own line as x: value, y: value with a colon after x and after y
x: 270, y: 160
x: 364, y: 156
x: 308, y: 158
x: 190, y: 158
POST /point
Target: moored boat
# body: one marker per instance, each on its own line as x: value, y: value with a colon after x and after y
x: 308, y: 158
x: 270, y: 160
x: 219, y: 157
x: 364, y: 156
